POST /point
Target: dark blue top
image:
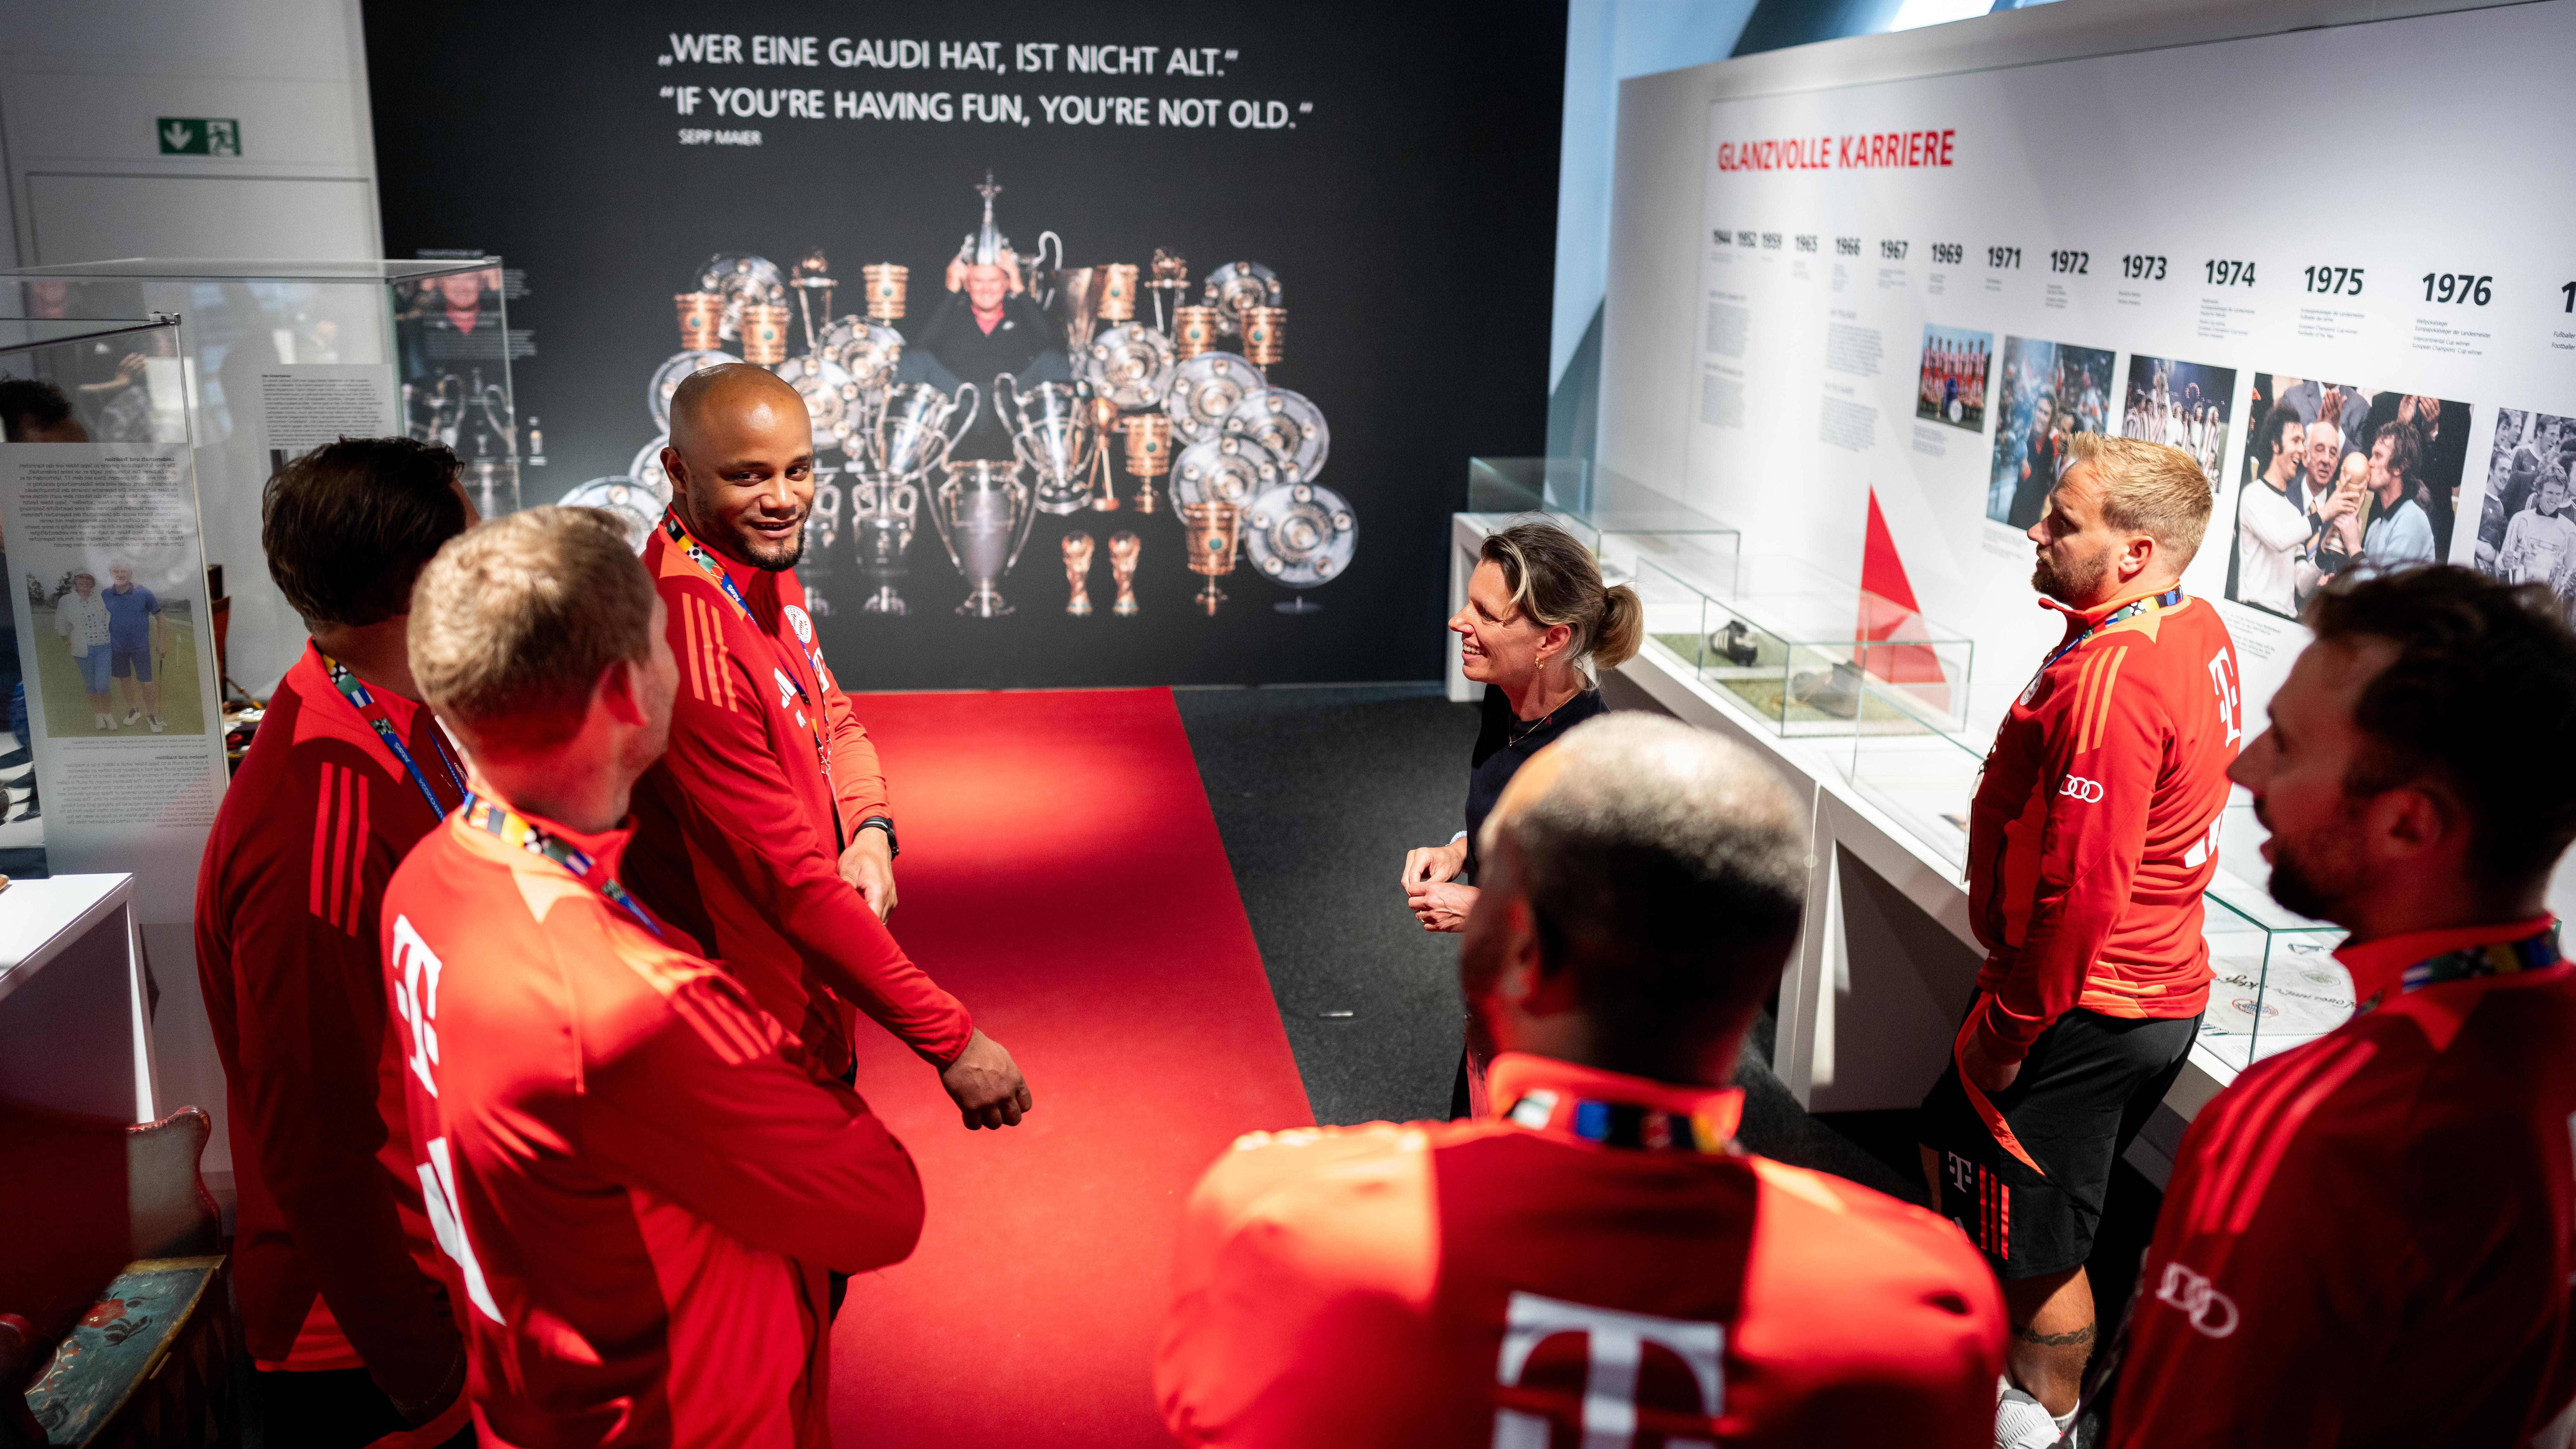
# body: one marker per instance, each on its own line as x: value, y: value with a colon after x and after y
x: 129, y: 618
x: 1503, y: 742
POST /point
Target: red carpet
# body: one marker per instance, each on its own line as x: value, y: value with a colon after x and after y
x: 1062, y: 875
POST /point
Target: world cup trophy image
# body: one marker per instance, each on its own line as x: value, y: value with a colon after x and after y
x: 1215, y: 533
x: 1123, y: 549
x: 1077, y: 574
x: 1104, y: 421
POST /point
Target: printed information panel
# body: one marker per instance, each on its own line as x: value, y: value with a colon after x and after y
x: 2329, y: 264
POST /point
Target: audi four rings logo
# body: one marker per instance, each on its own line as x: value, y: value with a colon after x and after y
x: 2088, y: 791
x: 2212, y: 1312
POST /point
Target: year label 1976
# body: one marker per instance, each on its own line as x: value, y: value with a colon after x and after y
x: 2458, y: 287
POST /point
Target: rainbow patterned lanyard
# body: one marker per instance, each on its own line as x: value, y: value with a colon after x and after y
x: 511, y: 828
x: 1620, y: 1124
x: 2121, y: 615
x: 681, y: 539
x: 2535, y: 952
x: 373, y: 713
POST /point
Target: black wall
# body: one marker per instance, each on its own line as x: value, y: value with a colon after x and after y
x: 1409, y: 214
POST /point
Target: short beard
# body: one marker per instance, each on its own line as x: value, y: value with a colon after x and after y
x: 2316, y: 887
x: 741, y: 547
x: 2066, y: 588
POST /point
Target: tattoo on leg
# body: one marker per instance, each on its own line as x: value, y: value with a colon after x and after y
x: 2054, y: 1340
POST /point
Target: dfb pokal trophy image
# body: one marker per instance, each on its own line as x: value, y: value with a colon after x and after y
x: 1215, y: 533
x: 883, y: 508
x: 983, y: 512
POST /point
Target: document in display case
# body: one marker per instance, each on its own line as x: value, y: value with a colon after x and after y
x: 284, y: 356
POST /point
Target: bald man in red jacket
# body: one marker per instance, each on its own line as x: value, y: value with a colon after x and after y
x: 766, y: 831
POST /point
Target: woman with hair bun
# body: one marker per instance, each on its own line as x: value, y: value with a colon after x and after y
x: 1537, y: 627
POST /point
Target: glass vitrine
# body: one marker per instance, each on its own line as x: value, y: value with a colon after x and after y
x: 282, y: 356
x: 1803, y: 651
x: 1610, y: 512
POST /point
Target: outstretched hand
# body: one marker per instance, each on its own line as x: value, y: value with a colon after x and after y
x: 986, y: 1085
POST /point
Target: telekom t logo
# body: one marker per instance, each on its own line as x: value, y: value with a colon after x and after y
x: 1614, y: 1347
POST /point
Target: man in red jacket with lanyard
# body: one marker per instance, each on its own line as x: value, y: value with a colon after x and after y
x: 2369, y: 1239
x: 765, y: 831
x: 2093, y: 832
x: 337, y: 1274
x: 1601, y: 1262
x: 638, y: 1180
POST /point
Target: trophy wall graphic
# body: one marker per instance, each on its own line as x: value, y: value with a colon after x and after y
x: 1184, y: 384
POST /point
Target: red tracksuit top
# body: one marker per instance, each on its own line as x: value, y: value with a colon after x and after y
x: 2368, y: 1239
x: 2095, y: 824
x: 1459, y: 1285
x: 640, y: 1188
x: 334, y: 1262
x: 739, y: 832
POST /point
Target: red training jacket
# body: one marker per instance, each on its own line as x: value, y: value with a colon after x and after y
x: 2368, y: 1239
x: 1512, y: 1279
x: 2095, y: 825
x: 639, y: 1185
x: 739, y: 832
x: 334, y: 1261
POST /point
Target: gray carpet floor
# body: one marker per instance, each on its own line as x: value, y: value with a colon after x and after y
x: 1318, y: 793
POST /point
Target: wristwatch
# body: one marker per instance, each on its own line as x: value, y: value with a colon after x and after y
x: 886, y: 824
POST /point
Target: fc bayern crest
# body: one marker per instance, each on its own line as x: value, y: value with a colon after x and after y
x: 801, y: 623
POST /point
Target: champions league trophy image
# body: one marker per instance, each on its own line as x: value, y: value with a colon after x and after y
x: 912, y: 432
x: 882, y: 509
x: 983, y: 513
x: 1123, y: 549
x: 1046, y: 427
x: 1077, y: 573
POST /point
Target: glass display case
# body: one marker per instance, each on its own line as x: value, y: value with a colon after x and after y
x: 2277, y: 982
x: 1923, y: 775
x: 1611, y: 512
x: 280, y: 356
x: 114, y: 755
x: 1806, y: 652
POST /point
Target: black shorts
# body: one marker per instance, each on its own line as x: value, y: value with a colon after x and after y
x: 2089, y: 1083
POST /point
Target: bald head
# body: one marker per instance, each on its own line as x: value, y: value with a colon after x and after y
x: 714, y: 397
x: 1661, y: 867
x: 741, y: 463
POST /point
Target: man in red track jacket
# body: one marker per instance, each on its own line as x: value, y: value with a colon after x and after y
x: 2092, y: 835
x: 2369, y: 1239
x: 337, y: 1276
x: 1600, y: 1263
x: 766, y: 831
x: 638, y: 1180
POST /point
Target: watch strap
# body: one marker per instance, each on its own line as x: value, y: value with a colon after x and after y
x: 885, y: 823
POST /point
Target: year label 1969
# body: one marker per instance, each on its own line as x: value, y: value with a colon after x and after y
x: 1948, y: 254
x: 2079, y: 263
x: 2142, y: 268
x: 2228, y: 274
x: 2335, y: 281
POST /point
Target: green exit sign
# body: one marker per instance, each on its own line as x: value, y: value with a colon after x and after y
x: 200, y: 136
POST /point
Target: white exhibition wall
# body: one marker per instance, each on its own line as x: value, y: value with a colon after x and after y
x: 2188, y: 189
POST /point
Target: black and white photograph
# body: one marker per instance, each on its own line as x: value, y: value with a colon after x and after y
x: 2046, y: 393
x: 1953, y: 377
x: 2527, y: 529
x: 2338, y: 475
x: 2183, y: 404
